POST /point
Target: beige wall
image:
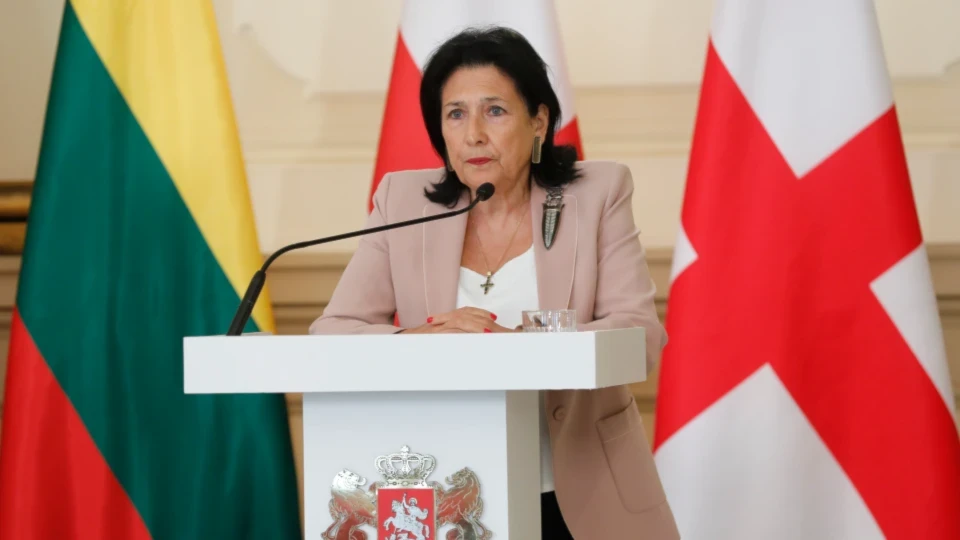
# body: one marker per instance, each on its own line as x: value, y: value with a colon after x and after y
x: 309, y: 80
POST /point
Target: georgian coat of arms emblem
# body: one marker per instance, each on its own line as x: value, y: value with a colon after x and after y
x: 404, y: 505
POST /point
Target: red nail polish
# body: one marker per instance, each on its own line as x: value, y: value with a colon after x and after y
x: 492, y: 316
x: 429, y: 320
x: 487, y: 331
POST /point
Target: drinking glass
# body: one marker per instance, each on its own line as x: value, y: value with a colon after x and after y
x: 550, y: 320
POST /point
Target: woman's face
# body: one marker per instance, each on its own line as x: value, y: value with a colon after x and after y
x: 487, y: 129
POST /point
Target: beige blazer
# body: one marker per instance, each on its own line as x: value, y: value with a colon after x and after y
x: 606, y: 482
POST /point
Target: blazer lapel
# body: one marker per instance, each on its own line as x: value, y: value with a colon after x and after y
x: 555, y: 266
x: 442, y: 252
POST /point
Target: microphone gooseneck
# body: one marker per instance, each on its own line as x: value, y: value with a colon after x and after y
x: 240, y: 318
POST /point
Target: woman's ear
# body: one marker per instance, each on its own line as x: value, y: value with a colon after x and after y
x: 541, y: 120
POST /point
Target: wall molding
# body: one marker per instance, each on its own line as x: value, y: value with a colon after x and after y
x: 306, y: 280
x: 615, y: 122
x: 300, y: 284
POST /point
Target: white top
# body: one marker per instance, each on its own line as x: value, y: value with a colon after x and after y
x: 514, y: 290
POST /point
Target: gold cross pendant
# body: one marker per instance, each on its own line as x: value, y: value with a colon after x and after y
x: 486, y: 286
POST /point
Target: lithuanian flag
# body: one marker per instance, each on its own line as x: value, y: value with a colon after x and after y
x: 140, y: 233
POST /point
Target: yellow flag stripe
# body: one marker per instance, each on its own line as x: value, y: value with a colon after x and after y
x: 165, y: 58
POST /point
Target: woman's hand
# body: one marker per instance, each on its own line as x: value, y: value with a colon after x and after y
x: 464, y: 320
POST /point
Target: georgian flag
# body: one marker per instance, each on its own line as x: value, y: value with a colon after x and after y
x: 804, y: 391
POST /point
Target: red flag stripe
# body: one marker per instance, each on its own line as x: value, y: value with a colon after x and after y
x: 404, y: 143
x: 66, y: 489
x: 570, y: 134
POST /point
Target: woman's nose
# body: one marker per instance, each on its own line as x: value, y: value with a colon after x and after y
x: 476, y: 133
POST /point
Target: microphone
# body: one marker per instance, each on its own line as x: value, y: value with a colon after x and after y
x: 240, y: 318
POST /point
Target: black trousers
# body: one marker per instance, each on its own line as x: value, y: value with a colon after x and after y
x: 552, y: 526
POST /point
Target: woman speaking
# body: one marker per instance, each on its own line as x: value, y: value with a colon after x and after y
x: 491, y: 113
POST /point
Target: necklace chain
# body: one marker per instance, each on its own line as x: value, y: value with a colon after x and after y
x: 486, y: 286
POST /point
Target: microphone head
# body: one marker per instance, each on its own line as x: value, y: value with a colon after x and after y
x: 485, y: 191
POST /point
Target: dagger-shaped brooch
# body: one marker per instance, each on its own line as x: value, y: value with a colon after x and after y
x: 552, y: 207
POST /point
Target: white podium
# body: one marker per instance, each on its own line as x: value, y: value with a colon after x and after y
x: 465, y: 406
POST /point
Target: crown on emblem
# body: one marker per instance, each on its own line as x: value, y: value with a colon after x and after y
x: 405, y: 468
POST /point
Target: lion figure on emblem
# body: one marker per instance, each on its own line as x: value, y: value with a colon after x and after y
x: 350, y: 507
x: 406, y: 519
x: 461, y: 506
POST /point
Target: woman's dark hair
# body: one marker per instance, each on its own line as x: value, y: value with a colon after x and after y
x: 512, y: 54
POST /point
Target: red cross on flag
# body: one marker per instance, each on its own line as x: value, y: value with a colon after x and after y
x: 424, y: 25
x: 804, y: 392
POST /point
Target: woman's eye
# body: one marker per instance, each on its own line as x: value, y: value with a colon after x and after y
x: 496, y: 110
x: 455, y: 114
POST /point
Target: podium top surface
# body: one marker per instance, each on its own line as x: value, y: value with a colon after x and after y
x: 437, y: 362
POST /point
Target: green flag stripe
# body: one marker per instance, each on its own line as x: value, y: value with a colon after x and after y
x: 115, y: 274
x: 165, y: 59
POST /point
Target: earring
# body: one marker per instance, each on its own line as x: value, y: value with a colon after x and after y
x: 536, y: 150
